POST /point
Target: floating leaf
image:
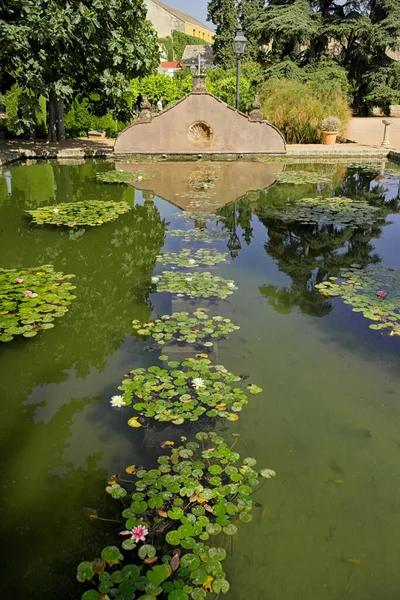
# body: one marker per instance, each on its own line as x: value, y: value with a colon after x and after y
x: 121, y: 176
x: 195, y: 285
x: 90, y: 213
x: 188, y: 259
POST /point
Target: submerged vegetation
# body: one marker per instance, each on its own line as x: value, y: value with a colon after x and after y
x: 302, y: 177
x: 91, y: 213
x: 30, y: 300
x: 121, y: 176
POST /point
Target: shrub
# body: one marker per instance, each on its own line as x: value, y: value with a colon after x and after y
x: 80, y: 119
x: 298, y: 108
x: 225, y: 90
x: 331, y: 124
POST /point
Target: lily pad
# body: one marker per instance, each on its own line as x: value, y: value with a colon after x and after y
x: 193, y: 389
x: 200, y: 235
x: 302, y: 177
x: 186, y: 328
x: 122, y: 176
x: 194, y: 285
x: 30, y: 299
x: 188, y: 259
x: 91, y: 213
x: 374, y: 292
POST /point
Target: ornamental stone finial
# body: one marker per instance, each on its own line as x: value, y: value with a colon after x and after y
x: 145, y: 114
x: 256, y: 114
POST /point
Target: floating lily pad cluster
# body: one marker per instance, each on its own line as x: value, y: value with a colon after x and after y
x: 185, y: 391
x: 200, y: 235
x: 198, y: 491
x: 196, y: 216
x: 367, y: 167
x: 121, y: 176
x: 327, y: 211
x: 30, y: 300
x: 187, y: 258
x: 90, y: 213
x: 194, y: 285
x: 302, y: 177
x: 373, y: 291
x: 196, y: 328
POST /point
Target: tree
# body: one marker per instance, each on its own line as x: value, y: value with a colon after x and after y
x: 224, y: 15
x: 356, y: 34
x: 249, y: 12
x: 69, y: 48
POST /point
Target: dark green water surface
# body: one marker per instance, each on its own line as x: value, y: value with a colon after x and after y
x: 329, y: 411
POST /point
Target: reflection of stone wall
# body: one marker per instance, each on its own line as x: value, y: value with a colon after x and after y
x: 200, y: 186
x: 200, y: 123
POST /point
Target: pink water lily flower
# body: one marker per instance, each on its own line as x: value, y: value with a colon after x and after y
x: 139, y: 533
x: 30, y: 294
x: 19, y: 280
x: 381, y: 294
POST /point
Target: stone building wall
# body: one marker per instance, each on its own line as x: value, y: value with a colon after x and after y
x: 163, y: 21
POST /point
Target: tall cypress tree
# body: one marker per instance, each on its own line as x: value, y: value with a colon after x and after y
x: 224, y: 15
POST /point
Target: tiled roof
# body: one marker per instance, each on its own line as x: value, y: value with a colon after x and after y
x: 174, y: 64
x: 183, y: 16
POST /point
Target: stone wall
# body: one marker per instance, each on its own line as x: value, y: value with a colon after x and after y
x: 200, y: 124
x: 163, y: 21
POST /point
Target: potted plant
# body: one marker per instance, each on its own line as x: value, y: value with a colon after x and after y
x: 330, y: 129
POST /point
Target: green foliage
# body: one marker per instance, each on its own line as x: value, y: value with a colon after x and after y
x: 225, y: 90
x: 157, y: 86
x: 91, y: 213
x: 186, y: 258
x: 223, y: 13
x: 298, y: 109
x: 30, y: 300
x: 103, y: 45
x: 374, y: 292
x: 80, y: 119
x: 13, y: 101
x: 185, y: 392
x: 176, y: 45
x: 194, y: 285
x: 302, y: 177
x: 196, y: 328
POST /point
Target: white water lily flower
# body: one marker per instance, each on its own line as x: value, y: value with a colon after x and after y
x: 191, y: 261
x: 189, y: 279
x: 117, y: 401
x: 140, y: 178
x: 155, y: 279
x: 198, y: 383
x: 231, y: 284
x: 56, y: 211
x: 218, y: 318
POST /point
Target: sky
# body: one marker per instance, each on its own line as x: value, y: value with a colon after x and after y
x: 195, y: 8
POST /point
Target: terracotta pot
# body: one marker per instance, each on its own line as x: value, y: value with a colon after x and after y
x: 330, y: 137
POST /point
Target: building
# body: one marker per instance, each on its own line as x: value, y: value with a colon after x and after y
x: 169, y: 67
x: 191, y: 55
x: 166, y: 19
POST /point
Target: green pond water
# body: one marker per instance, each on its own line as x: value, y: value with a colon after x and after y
x: 327, y: 421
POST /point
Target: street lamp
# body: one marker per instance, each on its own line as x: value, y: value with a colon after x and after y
x: 234, y: 244
x: 239, y: 46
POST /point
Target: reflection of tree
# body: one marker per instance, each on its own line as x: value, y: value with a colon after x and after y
x: 113, y: 267
x: 308, y: 254
x: 238, y: 214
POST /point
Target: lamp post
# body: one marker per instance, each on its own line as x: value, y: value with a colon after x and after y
x: 239, y: 46
x: 234, y: 244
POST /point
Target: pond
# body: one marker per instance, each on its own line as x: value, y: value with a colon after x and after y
x: 326, y: 421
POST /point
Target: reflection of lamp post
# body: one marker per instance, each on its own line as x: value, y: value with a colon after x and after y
x: 234, y: 244
x: 239, y: 46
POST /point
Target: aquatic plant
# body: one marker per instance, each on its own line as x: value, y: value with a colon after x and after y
x: 367, y: 167
x: 195, y: 216
x: 199, y: 490
x: 187, y: 258
x: 196, y: 328
x: 194, y: 285
x: 200, y: 235
x: 302, y: 177
x: 185, y: 391
x: 30, y: 300
x: 90, y: 213
x: 373, y: 291
x: 322, y: 211
x: 121, y: 176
